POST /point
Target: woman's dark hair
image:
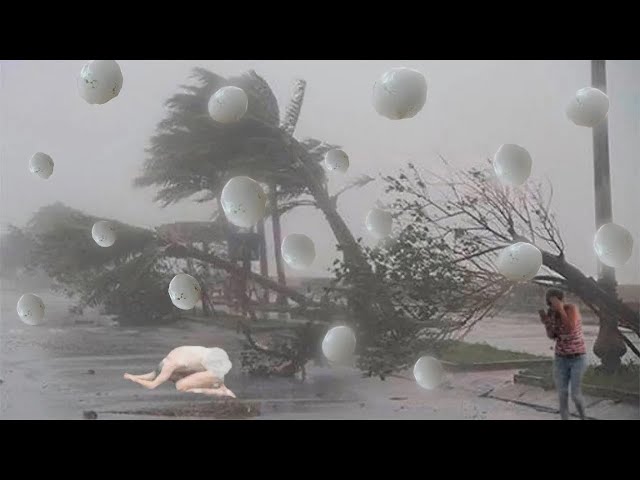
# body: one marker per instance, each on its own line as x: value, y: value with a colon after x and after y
x: 554, y: 292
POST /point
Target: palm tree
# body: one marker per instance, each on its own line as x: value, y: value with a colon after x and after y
x: 191, y: 154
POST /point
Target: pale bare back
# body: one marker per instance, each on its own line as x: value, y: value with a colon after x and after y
x: 193, y: 369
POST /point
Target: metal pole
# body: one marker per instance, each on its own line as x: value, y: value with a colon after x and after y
x: 601, y: 175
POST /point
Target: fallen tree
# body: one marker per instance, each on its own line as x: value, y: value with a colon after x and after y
x: 115, y: 277
x: 477, y: 217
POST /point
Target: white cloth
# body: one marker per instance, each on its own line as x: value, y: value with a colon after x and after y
x: 217, y: 362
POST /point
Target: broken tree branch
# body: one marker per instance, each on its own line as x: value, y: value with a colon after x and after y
x: 181, y: 251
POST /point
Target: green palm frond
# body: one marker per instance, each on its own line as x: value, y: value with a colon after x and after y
x: 262, y: 101
x: 64, y: 242
x: 292, y: 113
x: 191, y: 155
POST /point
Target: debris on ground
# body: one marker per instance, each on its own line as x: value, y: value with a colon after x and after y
x: 89, y: 415
x: 220, y: 410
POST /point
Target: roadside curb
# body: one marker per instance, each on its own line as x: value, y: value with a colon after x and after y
x: 596, y: 391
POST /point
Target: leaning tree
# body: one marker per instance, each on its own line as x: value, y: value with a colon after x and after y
x: 475, y: 216
x: 130, y: 278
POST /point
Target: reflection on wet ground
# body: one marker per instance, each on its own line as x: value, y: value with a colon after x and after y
x: 68, y: 370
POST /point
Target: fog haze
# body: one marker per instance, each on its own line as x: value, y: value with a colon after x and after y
x: 472, y: 108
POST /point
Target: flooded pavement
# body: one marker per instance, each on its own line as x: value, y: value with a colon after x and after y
x: 70, y: 370
x: 524, y: 333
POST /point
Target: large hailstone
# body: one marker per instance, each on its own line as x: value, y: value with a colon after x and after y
x: 243, y: 201
x: 613, y: 245
x: 512, y: 164
x: 100, y: 81
x: 400, y: 93
x: 31, y: 309
x: 519, y: 262
x: 428, y: 373
x: 41, y: 165
x: 339, y: 344
x: 298, y: 251
x: 336, y: 160
x: 588, y: 107
x: 379, y: 223
x: 228, y: 105
x: 104, y: 233
x: 184, y: 291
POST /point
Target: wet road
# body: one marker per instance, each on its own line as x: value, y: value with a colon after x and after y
x: 62, y: 369
x: 524, y: 333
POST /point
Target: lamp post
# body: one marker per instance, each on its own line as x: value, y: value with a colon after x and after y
x: 609, y: 346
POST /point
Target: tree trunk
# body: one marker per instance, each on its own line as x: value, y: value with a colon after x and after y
x: 610, y: 308
x: 245, y: 296
x: 609, y: 346
x: 277, y: 237
x: 589, y: 290
x: 368, y: 300
x: 264, y: 265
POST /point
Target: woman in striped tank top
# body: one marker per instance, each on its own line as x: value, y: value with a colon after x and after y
x: 564, y: 325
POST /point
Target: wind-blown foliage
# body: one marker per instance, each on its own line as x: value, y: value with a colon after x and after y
x: 476, y: 217
x: 192, y: 154
x: 130, y: 278
x: 15, y: 250
x: 127, y: 280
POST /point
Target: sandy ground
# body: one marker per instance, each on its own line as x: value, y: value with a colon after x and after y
x: 63, y: 369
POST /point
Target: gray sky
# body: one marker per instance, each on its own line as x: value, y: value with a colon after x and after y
x: 472, y: 108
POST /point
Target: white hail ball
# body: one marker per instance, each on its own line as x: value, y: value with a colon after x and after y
x: 243, y: 201
x: 31, y: 309
x: 336, y: 160
x: 512, y: 164
x: 428, y: 373
x: 379, y: 223
x: 228, y: 105
x: 519, y: 262
x: 100, y: 81
x: 613, y: 245
x: 400, y: 93
x: 104, y: 233
x: 298, y: 251
x: 41, y: 165
x: 184, y: 291
x: 339, y: 344
x: 588, y: 107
